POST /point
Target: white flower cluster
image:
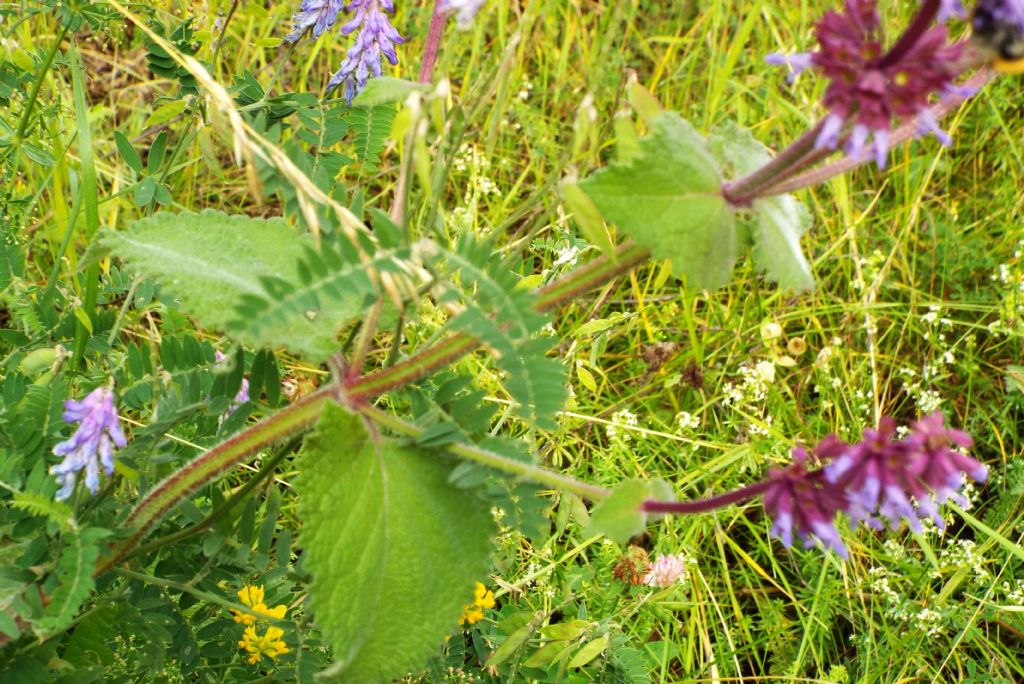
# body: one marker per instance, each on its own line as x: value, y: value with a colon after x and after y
x: 619, y: 430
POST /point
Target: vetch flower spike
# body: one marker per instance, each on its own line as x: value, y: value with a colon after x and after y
x: 92, y: 444
x: 243, y: 391
x: 376, y: 40
x: 316, y: 16
x: 252, y: 596
x: 270, y: 644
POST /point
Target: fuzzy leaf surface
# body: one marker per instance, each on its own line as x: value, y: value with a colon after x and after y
x: 668, y: 198
x: 393, y: 547
x: 212, y: 261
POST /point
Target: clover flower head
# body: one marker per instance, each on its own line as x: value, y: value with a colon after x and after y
x: 269, y: 644
x: 870, y: 87
x: 376, y: 39
x: 316, y: 16
x: 464, y: 10
x: 473, y: 612
x: 667, y: 570
x: 92, y: 444
x: 804, y: 502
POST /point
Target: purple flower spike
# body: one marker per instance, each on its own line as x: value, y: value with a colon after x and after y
x: 99, y: 431
x: 926, y: 124
x: 315, y: 15
x: 376, y: 39
x: 870, y: 87
x: 804, y: 502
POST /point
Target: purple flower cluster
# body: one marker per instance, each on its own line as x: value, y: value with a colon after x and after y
x: 99, y: 431
x: 376, y: 38
x: 869, y: 87
x: 877, y: 478
x: 315, y: 15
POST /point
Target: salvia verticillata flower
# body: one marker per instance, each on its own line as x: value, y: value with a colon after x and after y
x: 868, y: 87
x: 376, y: 39
x: 464, y: 10
x: 473, y: 612
x: 316, y: 16
x: 257, y: 646
x: 950, y: 9
x: 665, y: 571
x: 804, y: 502
x: 92, y: 444
x: 904, y: 479
x: 243, y: 391
x: 252, y: 596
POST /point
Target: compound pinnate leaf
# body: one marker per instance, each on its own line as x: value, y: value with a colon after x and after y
x: 394, y: 548
x: 214, y: 261
x: 668, y: 198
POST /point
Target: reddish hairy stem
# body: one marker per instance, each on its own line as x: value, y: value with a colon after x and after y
x: 433, y: 45
x: 918, y: 25
x: 708, y: 504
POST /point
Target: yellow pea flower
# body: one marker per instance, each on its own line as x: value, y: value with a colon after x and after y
x: 474, y: 612
x: 252, y: 596
x: 270, y: 644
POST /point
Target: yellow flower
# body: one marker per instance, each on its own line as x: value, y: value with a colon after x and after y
x: 474, y: 612
x: 252, y: 596
x: 257, y: 646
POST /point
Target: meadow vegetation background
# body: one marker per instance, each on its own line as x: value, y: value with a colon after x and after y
x: 918, y: 307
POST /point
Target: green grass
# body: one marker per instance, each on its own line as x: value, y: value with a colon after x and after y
x: 930, y: 233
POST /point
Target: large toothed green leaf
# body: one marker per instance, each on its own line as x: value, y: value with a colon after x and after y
x: 668, y: 198
x: 213, y: 260
x: 394, y: 548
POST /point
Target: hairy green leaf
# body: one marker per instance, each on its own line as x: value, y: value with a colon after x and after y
x: 393, y: 547
x: 74, y: 577
x: 668, y: 198
x: 386, y: 90
x: 619, y: 517
x: 214, y: 261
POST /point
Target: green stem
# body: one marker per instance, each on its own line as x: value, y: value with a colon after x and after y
x: 206, y: 467
x: 33, y: 94
x: 511, y: 466
x: 216, y: 514
x: 187, y: 588
x: 303, y: 413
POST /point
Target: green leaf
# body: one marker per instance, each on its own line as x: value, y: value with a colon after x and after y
x: 74, y: 578
x: 393, y: 547
x: 587, y: 216
x: 619, y: 517
x: 145, y: 191
x: 775, y: 223
x: 668, y: 198
x: 165, y: 112
x: 128, y: 153
x: 213, y: 260
x: 1015, y: 378
x: 45, y: 507
x: 156, y: 152
x: 778, y: 224
x: 589, y: 652
x: 385, y: 90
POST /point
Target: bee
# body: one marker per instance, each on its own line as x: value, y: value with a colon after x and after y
x: 998, y: 31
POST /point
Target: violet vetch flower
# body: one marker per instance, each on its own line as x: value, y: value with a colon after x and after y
x: 804, y: 502
x: 376, y: 39
x: 92, y: 444
x: 243, y: 390
x: 950, y: 9
x: 465, y: 10
x: 868, y: 88
x: 315, y: 15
